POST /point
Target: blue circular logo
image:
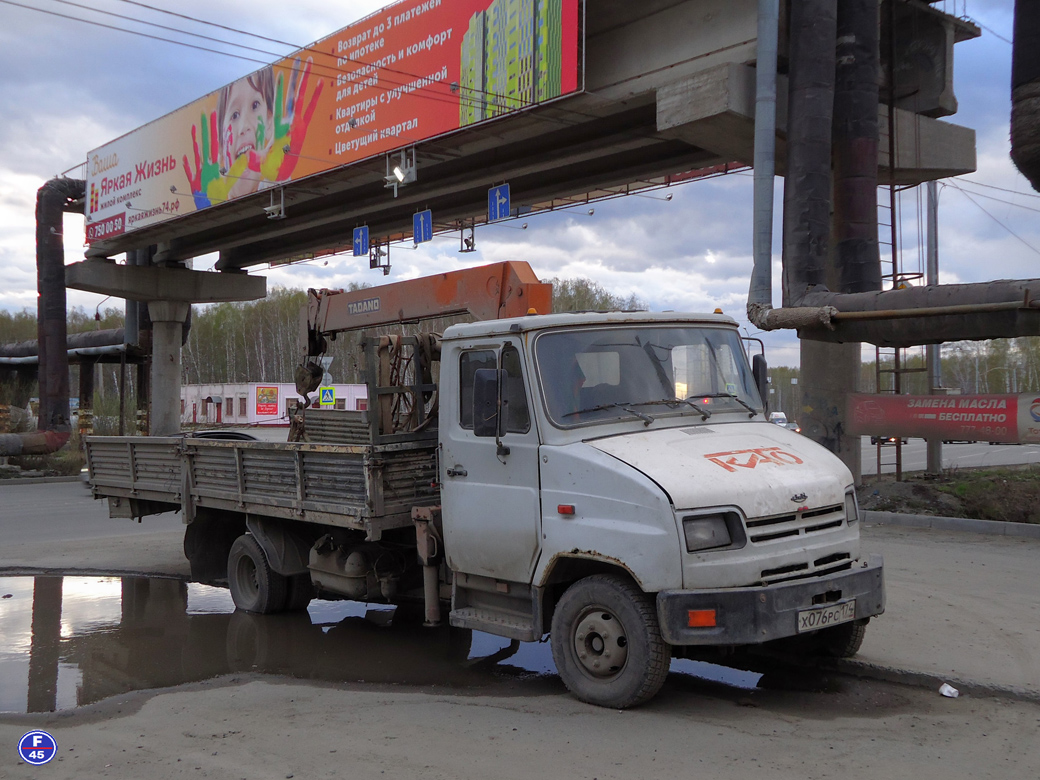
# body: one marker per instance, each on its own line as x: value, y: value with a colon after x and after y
x: 37, y: 747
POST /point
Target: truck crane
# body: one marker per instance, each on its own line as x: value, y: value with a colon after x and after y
x: 607, y: 478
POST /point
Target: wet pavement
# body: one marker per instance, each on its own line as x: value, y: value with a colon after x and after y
x: 67, y: 642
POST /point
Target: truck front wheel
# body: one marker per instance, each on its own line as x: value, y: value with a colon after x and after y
x: 255, y: 586
x: 607, y: 643
x: 842, y: 641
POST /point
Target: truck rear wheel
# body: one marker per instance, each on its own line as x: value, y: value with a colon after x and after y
x: 299, y: 592
x: 607, y: 643
x: 255, y: 586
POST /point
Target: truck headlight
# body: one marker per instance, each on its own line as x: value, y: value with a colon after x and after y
x: 851, y: 507
x: 706, y: 532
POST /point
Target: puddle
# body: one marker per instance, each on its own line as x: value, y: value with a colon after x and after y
x: 67, y: 642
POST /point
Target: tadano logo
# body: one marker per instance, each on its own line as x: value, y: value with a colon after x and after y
x: 37, y: 748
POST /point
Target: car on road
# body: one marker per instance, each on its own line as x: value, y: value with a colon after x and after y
x: 227, y: 435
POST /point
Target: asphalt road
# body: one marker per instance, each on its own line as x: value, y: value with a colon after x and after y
x: 915, y: 455
x: 59, y: 526
x: 961, y: 608
x: 960, y: 605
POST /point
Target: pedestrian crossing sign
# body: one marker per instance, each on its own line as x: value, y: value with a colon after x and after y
x: 328, y: 396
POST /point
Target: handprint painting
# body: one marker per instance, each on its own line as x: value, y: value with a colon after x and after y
x: 392, y: 80
x: 251, y: 140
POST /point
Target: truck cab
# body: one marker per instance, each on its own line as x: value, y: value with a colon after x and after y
x: 612, y: 478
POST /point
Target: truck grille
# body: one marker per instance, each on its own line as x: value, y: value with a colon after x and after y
x: 802, y: 523
x: 801, y: 571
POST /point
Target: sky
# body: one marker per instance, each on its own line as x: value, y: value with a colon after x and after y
x: 69, y: 87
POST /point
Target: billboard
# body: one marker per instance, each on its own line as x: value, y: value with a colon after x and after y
x: 999, y: 418
x: 266, y: 400
x: 415, y: 70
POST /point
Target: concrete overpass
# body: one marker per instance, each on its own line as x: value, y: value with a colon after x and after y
x: 669, y: 86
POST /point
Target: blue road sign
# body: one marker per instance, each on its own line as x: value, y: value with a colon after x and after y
x: 498, y: 203
x: 361, y: 241
x: 422, y: 226
x: 328, y: 396
x: 37, y: 747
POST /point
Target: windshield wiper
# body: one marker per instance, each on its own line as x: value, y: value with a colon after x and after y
x: 740, y: 401
x: 646, y: 418
x: 704, y: 413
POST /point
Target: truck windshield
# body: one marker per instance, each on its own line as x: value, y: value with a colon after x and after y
x: 607, y: 374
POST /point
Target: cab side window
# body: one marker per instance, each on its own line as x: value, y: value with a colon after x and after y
x: 514, y: 395
x: 469, y: 362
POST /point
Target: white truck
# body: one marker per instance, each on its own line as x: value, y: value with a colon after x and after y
x: 608, y: 478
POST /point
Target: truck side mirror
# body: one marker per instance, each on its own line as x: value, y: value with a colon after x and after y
x: 760, y: 371
x: 489, y: 419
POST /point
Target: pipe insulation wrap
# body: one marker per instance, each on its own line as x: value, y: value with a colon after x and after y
x: 35, y: 443
x: 855, y: 138
x: 53, y: 199
x: 1025, y: 91
x: 807, y: 188
x: 761, y: 290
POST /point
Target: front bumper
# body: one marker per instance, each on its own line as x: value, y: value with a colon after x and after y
x: 750, y: 616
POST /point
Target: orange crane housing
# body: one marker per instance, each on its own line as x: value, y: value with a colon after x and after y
x: 488, y: 292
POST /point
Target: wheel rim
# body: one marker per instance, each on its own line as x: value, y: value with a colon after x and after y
x: 247, y: 577
x: 600, y: 643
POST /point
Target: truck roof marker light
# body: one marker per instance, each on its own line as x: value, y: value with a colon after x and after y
x: 565, y: 509
x: 718, y: 311
x: 531, y: 311
x: 701, y: 618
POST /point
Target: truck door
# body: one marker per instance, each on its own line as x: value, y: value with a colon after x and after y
x: 490, y: 500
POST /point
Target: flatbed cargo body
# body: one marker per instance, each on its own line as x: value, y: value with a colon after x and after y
x: 370, y: 488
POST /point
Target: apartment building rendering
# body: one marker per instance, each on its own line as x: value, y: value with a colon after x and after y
x: 511, y: 58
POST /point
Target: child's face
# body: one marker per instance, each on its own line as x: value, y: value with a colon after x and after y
x: 246, y: 121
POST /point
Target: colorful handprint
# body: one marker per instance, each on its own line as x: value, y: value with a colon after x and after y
x: 290, y: 125
x: 206, y: 170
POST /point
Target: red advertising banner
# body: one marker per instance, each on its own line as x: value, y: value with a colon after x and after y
x: 1000, y: 418
x: 413, y: 71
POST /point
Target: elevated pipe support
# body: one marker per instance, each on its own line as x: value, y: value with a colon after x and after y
x: 913, y: 316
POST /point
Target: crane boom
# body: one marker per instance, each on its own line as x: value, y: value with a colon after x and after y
x: 488, y: 292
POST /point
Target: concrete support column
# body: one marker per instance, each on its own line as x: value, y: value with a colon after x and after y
x: 829, y: 373
x: 167, y: 328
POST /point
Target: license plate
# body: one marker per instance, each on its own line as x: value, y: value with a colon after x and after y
x: 822, y: 617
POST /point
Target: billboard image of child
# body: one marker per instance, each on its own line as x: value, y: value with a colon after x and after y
x: 252, y: 140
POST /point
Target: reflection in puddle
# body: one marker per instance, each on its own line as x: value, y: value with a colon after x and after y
x: 70, y: 641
